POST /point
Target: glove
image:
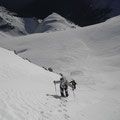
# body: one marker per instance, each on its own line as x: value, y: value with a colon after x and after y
x: 54, y: 82
x: 73, y: 88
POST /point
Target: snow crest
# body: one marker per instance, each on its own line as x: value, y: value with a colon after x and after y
x: 54, y: 22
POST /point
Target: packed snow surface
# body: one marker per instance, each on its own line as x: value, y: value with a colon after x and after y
x: 90, y: 55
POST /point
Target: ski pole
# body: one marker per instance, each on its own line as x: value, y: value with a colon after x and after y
x: 73, y: 94
x: 73, y: 88
x: 55, y: 87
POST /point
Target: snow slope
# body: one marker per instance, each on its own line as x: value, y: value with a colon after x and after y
x: 64, y: 49
x: 22, y: 93
x: 90, y: 55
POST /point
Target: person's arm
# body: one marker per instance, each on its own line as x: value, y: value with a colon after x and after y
x: 56, y: 82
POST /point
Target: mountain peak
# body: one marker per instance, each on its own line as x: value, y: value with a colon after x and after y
x: 55, y: 22
x: 54, y: 16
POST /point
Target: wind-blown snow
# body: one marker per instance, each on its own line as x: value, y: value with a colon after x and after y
x: 89, y: 55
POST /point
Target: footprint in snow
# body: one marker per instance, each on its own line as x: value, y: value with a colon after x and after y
x: 65, y: 110
x: 66, y: 116
x: 59, y: 110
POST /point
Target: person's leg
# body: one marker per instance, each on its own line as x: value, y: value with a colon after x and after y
x: 66, y: 91
x: 62, y: 92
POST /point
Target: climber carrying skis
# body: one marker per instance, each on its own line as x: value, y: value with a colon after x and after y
x: 64, y: 86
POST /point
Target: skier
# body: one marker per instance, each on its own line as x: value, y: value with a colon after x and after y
x: 64, y: 85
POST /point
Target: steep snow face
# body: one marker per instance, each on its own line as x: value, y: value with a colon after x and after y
x: 22, y: 88
x: 15, y: 26
x: 54, y: 22
x: 31, y: 24
x: 11, y: 24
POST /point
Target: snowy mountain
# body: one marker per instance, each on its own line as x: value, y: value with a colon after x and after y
x: 54, y: 22
x: 15, y: 26
x: 10, y: 24
x: 89, y: 55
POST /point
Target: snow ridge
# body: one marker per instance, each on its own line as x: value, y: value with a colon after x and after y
x: 54, y: 22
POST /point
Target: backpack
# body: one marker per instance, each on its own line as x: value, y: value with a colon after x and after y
x: 73, y: 83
